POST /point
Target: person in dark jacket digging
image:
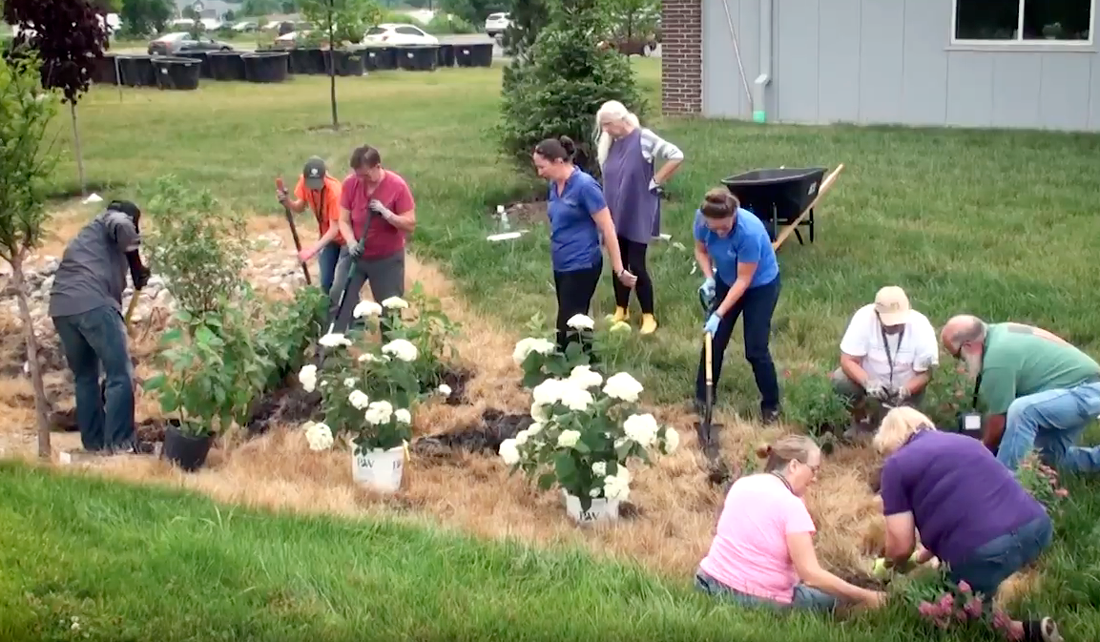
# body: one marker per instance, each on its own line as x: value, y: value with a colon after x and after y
x: 86, y: 309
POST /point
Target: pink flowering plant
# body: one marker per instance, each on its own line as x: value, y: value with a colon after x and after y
x: 947, y: 605
x: 1041, y: 481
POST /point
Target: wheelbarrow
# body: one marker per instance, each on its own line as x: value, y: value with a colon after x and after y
x: 784, y: 199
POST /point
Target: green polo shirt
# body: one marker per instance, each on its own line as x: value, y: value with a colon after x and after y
x: 1021, y: 360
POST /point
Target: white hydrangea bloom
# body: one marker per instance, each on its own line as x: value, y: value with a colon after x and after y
x: 642, y: 429
x: 395, y: 303
x: 599, y: 469
x: 403, y: 416
x: 509, y: 452
x: 617, y: 487
x: 366, y: 309
x: 349, y: 382
x: 584, y: 377
x: 568, y: 438
x: 319, y: 437
x: 379, y: 412
x: 576, y: 398
x: 672, y: 440
x: 622, y: 386
x: 308, y: 377
x: 522, y: 437
x: 333, y: 340
x: 400, y: 349
x: 358, y: 399
x: 444, y: 390
x: 373, y: 358
x: 526, y: 346
x: 581, y: 322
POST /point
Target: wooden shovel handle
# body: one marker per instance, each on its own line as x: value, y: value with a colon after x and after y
x: 707, y: 352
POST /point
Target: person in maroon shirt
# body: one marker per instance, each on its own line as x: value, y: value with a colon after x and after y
x: 970, y: 510
x: 377, y: 202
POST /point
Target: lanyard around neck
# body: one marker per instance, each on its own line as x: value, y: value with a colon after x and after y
x: 886, y: 346
x: 978, y: 379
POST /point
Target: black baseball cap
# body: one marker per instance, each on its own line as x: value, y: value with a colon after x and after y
x: 314, y: 173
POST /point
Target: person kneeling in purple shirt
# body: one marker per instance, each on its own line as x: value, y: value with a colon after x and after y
x: 970, y: 510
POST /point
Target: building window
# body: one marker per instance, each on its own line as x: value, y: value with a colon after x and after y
x: 1024, y: 21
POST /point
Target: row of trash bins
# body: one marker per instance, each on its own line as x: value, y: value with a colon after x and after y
x: 184, y: 71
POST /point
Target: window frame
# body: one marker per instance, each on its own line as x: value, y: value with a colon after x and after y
x: 1019, y: 42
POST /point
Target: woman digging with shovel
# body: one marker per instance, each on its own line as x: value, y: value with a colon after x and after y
x: 735, y: 254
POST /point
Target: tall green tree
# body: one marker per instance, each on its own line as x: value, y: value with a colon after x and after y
x: 569, y: 76
x: 144, y: 17
x: 527, y: 18
x: 26, y: 161
x: 473, y: 11
x: 342, y: 21
x: 69, y: 39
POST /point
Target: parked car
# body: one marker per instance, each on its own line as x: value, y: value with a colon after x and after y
x: 399, y: 34
x: 496, y: 23
x: 182, y: 42
x: 246, y: 26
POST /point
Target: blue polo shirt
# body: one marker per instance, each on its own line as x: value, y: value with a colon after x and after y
x: 574, y: 237
x: 747, y: 242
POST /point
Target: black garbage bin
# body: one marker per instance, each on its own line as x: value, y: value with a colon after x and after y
x: 778, y: 196
x: 347, y: 62
x: 266, y: 67
x: 380, y: 58
x: 204, y: 60
x: 105, y: 72
x: 446, y: 57
x: 178, y: 73
x: 475, y: 55
x: 136, y: 71
x: 226, y: 65
x: 310, y: 61
x: 418, y: 57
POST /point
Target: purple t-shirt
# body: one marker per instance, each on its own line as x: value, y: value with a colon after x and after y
x: 961, y: 497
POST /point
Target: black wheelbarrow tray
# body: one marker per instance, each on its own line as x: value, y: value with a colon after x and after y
x: 783, y: 198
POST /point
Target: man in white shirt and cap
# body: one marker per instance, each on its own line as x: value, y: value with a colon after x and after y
x: 886, y: 357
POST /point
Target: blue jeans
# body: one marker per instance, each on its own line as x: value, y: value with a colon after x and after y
x: 99, y: 336
x: 756, y: 306
x: 326, y: 262
x: 1052, y: 421
x: 993, y: 562
x: 804, y: 597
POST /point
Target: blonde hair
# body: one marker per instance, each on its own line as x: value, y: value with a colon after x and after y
x: 785, y: 450
x: 611, y: 110
x: 898, y: 426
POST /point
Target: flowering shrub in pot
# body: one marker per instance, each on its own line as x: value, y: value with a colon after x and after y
x: 1041, y: 481
x: 946, y: 605
x: 586, y: 430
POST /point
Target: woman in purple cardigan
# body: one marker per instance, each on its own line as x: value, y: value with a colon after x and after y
x: 627, y: 153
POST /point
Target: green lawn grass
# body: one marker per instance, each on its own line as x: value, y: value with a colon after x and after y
x: 138, y: 564
x: 993, y: 223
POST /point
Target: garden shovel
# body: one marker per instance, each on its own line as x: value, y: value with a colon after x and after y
x: 344, y: 292
x: 705, y: 429
x: 293, y: 228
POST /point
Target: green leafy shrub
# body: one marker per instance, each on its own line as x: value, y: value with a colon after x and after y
x: 1041, y: 481
x: 560, y: 87
x: 810, y: 401
x: 422, y: 322
x: 195, y: 246
x: 444, y: 24
x: 287, y: 330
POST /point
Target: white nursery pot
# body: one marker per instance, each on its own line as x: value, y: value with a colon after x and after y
x: 379, y: 469
x: 601, y: 510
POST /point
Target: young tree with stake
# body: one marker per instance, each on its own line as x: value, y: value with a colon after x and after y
x: 69, y: 38
x: 342, y: 21
x: 25, y: 164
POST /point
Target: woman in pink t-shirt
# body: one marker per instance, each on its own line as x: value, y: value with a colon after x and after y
x: 763, y: 550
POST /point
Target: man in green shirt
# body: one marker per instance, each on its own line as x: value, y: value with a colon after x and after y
x: 1035, y: 389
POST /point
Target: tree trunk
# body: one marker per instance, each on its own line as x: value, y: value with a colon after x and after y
x: 79, y: 155
x: 332, y: 68
x: 32, y: 358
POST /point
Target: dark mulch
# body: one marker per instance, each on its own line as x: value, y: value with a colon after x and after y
x: 457, y: 379
x: 484, y: 438
x: 287, y: 404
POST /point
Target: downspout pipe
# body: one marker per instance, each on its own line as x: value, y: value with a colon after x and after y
x: 759, y: 113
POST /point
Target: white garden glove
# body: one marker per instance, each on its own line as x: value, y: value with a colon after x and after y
x: 875, y: 389
x: 901, y: 394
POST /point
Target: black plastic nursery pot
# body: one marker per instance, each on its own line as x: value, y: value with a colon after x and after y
x: 177, y: 73
x: 446, y: 56
x: 307, y: 61
x: 136, y: 71
x: 185, y: 451
x: 226, y: 65
x: 479, y: 55
x: 266, y: 67
x: 345, y: 62
x: 418, y: 58
x: 380, y: 58
x: 203, y: 58
x: 104, y: 72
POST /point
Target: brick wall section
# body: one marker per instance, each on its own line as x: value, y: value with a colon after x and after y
x: 682, y: 56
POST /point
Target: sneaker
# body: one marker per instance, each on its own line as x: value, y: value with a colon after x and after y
x: 1044, y: 630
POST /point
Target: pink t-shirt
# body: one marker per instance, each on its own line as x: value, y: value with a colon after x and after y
x: 383, y: 239
x: 749, y: 552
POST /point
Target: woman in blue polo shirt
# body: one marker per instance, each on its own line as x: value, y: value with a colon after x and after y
x: 578, y: 218
x: 735, y: 254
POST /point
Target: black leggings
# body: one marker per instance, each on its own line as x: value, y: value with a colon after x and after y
x: 633, y: 256
x: 574, y: 290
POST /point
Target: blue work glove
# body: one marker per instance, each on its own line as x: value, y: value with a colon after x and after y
x: 707, y: 289
x: 711, y: 325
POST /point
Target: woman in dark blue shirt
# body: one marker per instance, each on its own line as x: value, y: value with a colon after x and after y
x: 578, y: 218
x: 735, y: 253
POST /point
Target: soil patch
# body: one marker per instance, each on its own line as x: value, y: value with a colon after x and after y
x: 862, y: 580
x: 456, y: 379
x: 484, y: 438
x: 287, y: 404
x: 524, y: 213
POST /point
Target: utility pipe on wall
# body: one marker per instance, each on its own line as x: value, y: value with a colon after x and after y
x: 759, y: 114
